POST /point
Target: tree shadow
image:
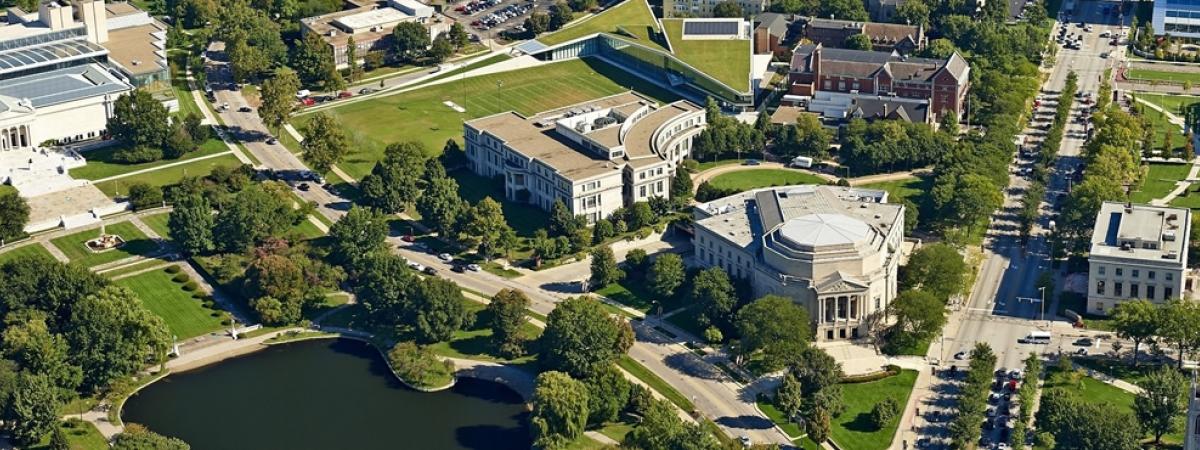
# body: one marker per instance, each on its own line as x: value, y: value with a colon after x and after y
x: 492, y: 437
x: 861, y: 423
x: 692, y: 365
x: 745, y: 422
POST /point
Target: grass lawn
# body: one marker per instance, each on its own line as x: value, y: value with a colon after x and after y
x: 1162, y: 126
x: 158, y: 223
x: 584, y: 443
x: 475, y: 342
x: 744, y: 180
x: 853, y: 428
x: 688, y: 320
x: 131, y: 268
x: 911, y: 188
x: 776, y: 416
x: 1160, y: 181
x: 420, y: 115
x: 177, y: 63
x: 307, y: 230
x: 633, y: 295
x: 726, y: 60
x: 1190, y: 198
x: 705, y: 165
x: 642, y: 373
x: 616, y: 431
x: 136, y: 243
x: 100, y: 163
x: 24, y: 252
x: 524, y: 218
x: 1159, y: 75
x: 169, y: 175
x: 1122, y: 369
x: 80, y: 436
x: 469, y: 67
x: 632, y: 16
x: 185, y: 316
x: 1176, y: 104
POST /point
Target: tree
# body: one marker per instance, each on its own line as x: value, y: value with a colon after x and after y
x: 681, y: 187
x: 410, y: 39
x: 383, y: 286
x: 190, y: 224
x: 884, y: 411
x: 562, y: 222
x: 33, y: 409
x: 1136, y: 320
x: 139, y: 120
x: 1178, y: 326
x: 727, y: 8
x: 248, y: 62
x: 143, y: 196
x: 252, y: 216
x: 581, y: 338
x: 362, y: 231
x: 178, y: 142
x: 858, y: 42
x: 395, y: 181
x: 507, y: 310
x: 312, y: 58
x: 636, y: 262
x: 437, y: 310
x: 33, y: 346
x: 440, y: 205
x: 601, y: 230
x: 487, y: 230
x: 560, y: 410
x: 714, y: 292
x: 604, y: 268
x: 1080, y: 425
x: 640, y: 215
x: 775, y: 325
x: 667, y: 274
x: 608, y: 393
x: 789, y: 398
x: 325, y: 142
x: 419, y: 366
x: 58, y: 440
x: 14, y: 214
x: 582, y: 5
x: 114, y: 336
x: 661, y: 428
x: 458, y: 35
x: 441, y: 49
x: 278, y: 97
x: 355, y: 69
x: 913, y: 13
x: 917, y: 313
x: 966, y: 200
x: 843, y: 9
x: 137, y: 437
x: 1161, y: 402
x: 537, y: 23
x: 560, y: 14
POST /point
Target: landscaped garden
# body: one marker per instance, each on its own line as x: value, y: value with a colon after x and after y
x: 726, y: 60
x: 101, y: 162
x: 25, y: 251
x: 853, y: 429
x: 744, y: 180
x: 420, y: 114
x: 633, y: 17
x: 1159, y: 181
x: 1092, y: 390
x: 75, y: 247
x: 80, y: 436
x: 172, y: 295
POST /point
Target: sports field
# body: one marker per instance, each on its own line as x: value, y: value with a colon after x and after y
x: 631, y: 19
x: 726, y: 60
x: 185, y: 316
x: 420, y: 114
x: 73, y: 245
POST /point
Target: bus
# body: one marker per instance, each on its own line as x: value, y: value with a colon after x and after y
x: 1036, y: 337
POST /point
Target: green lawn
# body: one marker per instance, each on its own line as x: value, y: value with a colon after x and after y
x: 1095, y: 391
x: 158, y: 223
x: 1160, y: 181
x: 1122, y: 369
x: 177, y: 63
x: 633, y: 295
x: 630, y: 18
x: 136, y: 243
x: 642, y: 373
x: 776, y: 416
x: 853, y: 428
x: 744, y: 180
x: 24, y: 252
x: 185, y: 316
x: 469, y: 67
x: 100, y: 163
x: 1190, y: 198
x: 420, y: 115
x: 1176, y: 104
x: 1158, y: 75
x: 911, y: 188
x: 475, y: 342
x: 134, y: 267
x: 688, y: 320
x: 726, y: 60
x: 307, y: 230
x: 80, y: 436
x: 1161, y: 127
x: 169, y: 175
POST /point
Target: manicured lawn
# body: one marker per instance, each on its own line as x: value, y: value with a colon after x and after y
x: 177, y: 62
x: 158, y: 223
x: 1176, y: 104
x: 744, y: 180
x: 80, y: 436
x: 24, y: 252
x: 1162, y: 126
x: 616, y: 431
x: 136, y: 243
x: 642, y: 373
x: 1160, y: 181
x: 776, y: 416
x: 912, y: 189
x: 1122, y: 369
x: 726, y: 60
x: 421, y: 116
x: 584, y: 443
x: 688, y: 320
x: 1158, y: 75
x: 705, y: 165
x: 131, y: 268
x: 633, y: 295
x: 524, y: 218
x: 307, y: 230
x: 476, y: 341
x: 1095, y: 391
x: 185, y: 316
x: 100, y: 163
x: 1189, y: 198
x: 169, y: 175
x: 853, y: 428
x: 469, y: 67
x: 633, y: 17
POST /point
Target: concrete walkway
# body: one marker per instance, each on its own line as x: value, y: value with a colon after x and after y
x: 164, y: 166
x: 1110, y: 380
x: 885, y: 177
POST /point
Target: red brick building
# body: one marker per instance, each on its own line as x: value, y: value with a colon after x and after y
x: 944, y: 83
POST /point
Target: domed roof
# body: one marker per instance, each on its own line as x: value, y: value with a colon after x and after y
x: 819, y: 230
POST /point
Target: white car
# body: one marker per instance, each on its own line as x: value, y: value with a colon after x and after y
x: 446, y: 257
x: 473, y: 267
x: 416, y: 266
x: 960, y: 355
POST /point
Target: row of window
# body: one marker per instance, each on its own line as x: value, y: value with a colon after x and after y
x: 1184, y: 14
x: 1134, y: 291
x: 1180, y: 28
x: 655, y: 188
x: 1134, y: 273
x: 1184, y: 2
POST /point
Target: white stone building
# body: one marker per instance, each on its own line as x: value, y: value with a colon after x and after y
x: 595, y: 156
x: 1138, y: 252
x: 835, y: 250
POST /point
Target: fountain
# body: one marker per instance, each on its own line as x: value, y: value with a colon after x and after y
x: 104, y: 241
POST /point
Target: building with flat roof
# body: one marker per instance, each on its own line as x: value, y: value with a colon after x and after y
x: 1137, y: 252
x: 834, y: 250
x: 595, y: 156
x: 371, y: 24
x: 704, y: 8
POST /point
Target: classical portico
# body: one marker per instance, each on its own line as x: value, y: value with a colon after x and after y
x: 15, y: 138
x: 841, y: 302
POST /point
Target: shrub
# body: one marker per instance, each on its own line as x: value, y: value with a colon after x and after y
x: 713, y: 335
x: 884, y: 412
x: 691, y: 165
x: 226, y: 322
x: 190, y: 286
x: 172, y: 269
x: 143, y: 196
x: 889, y: 371
x: 418, y: 365
x: 180, y: 278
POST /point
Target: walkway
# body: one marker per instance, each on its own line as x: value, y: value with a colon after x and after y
x: 164, y: 166
x: 1181, y: 186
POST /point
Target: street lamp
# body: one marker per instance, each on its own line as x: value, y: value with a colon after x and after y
x: 1043, y: 291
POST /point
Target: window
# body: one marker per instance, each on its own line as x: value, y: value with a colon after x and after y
x: 1170, y: 276
x: 1167, y: 293
x: 1117, y: 288
x: 1100, y: 287
x: 1150, y: 274
x: 1120, y: 271
x: 1134, y: 274
x: 1150, y: 292
x: 642, y: 191
x: 1133, y: 289
x: 1100, y: 270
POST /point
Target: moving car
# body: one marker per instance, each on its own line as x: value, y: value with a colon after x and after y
x: 445, y: 257
x: 750, y: 162
x: 245, y: 109
x: 272, y: 141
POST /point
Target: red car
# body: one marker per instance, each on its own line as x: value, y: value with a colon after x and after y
x: 308, y: 101
x: 345, y: 94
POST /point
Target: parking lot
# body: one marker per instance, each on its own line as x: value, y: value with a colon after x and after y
x: 495, y: 18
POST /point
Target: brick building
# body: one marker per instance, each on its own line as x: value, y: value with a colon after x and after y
x: 885, y: 37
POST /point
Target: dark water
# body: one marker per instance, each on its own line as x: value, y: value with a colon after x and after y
x: 325, y: 394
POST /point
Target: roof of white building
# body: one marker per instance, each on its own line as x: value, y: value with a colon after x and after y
x: 805, y: 215
x: 63, y: 85
x: 823, y: 229
x: 1148, y: 233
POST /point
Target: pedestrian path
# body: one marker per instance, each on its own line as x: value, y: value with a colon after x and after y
x: 164, y: 166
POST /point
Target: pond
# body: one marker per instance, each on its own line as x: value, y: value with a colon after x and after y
x: 325, y: 394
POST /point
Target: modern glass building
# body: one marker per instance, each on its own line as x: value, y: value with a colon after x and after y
x: 1179, y: 18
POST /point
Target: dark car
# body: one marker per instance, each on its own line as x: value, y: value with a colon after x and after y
x: 430, y: 271
x: 303, y: 186
x: 245, y: 109
x: 458, y: 268
x: 750, y: 162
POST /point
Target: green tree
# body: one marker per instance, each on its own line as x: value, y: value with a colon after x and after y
x: 667, y: 275
x: 713, y: 291
x: 139, y: 120
x: 560, y: 14
x: 410, y: 39
x: 312, y: 58
x: 419, y: 366
x: 789, y: 398
x: 325, y: 142
x: 661, y: 428
x: 395, y: 181
x: 640, y: 215
x: 33, y: 346
x: 383, y: 286
x: 355, y: 69
x: 252, y: 216
x: 486, y: 229
x: 727, y: 8
x: 362, y: 231
x: 560, y: 410
x: 681, y: 187
x: 459, y: 36
x: 967, y: 200
x: 190, y: 224
x: 1136, y: 320
x: 33, y: 409
x: 562, y: 222
x: 1161, y: 403
x: 608, y: 393
x: 508, y: 315
x: 58, y: 440
x: 858, y: 42
x: 439, y: 204
x: 114, y: 336
x: 248, y: 62
x: 913, y: 13
x: 843, y: 9
x: 273, y: 312
x: 1080, y: 425
x: 441, y: 49
x: 14, y: 214
x: 137, y: 437
x: 581, y: 338
x: 178, y: 142
x: 437, y: 310
x: 537, y: 23
x: 1178, y: 326
x: 918, y: 314
x: 605, y: 270
x: 884, y: 412
x: 938, y: 269
x: 776, y: 326
x: 278, y: 97
x: 143, y: 196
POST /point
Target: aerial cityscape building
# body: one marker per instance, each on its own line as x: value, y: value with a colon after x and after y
x: 371, y: 24
x: 1138, y: 252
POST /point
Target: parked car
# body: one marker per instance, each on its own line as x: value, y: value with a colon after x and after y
x: 446, y: 257
x: 308, y: 101
x: 429, y: 271
x: 303, y: 187
x: 1084, y: 342
x: 245, y: 109
x: 345, y: 94
x: 272, y: 141
x: 750, y: 162
x: 474, y: 267
x: 407, y: 238
x: 416, y: 266
x: 458, y: 268
x: 960, y: 355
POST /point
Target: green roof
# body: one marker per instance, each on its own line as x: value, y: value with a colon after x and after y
x: 726, y: 60
x: 631, y: 19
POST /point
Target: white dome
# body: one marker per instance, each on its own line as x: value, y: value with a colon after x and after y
x: 820, y: 230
